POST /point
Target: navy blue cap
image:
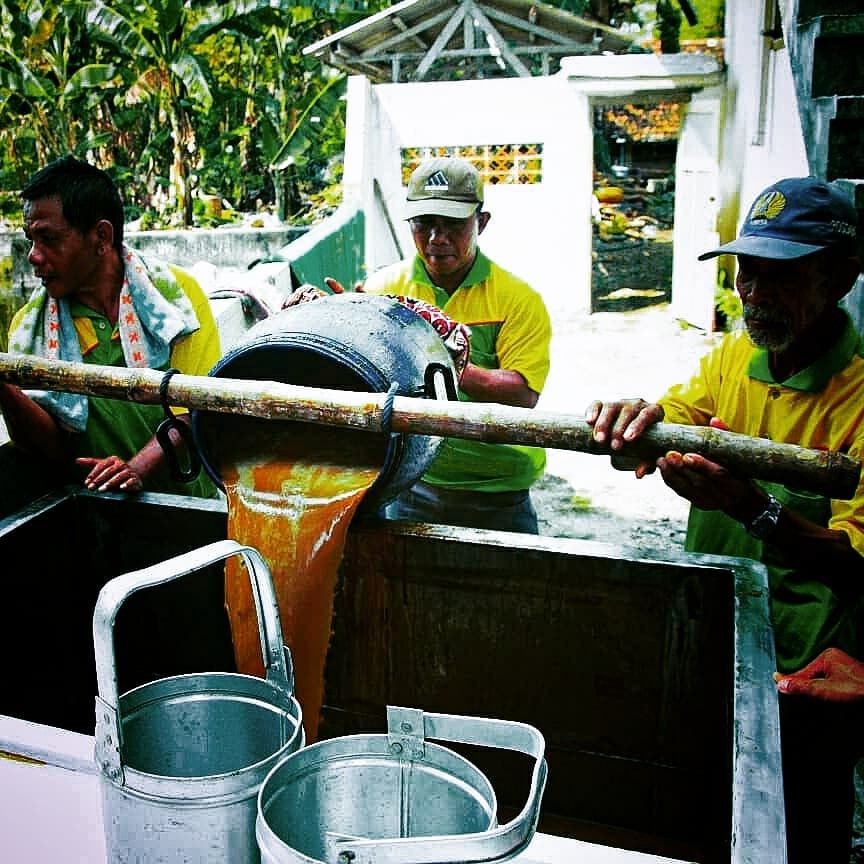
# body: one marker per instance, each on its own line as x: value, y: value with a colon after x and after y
x: 793, y: 218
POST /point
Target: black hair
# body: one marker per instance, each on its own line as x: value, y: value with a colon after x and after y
x: 86, y: 193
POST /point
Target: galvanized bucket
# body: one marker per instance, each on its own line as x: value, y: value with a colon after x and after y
x: 396, y: 798
x: 182, y: 759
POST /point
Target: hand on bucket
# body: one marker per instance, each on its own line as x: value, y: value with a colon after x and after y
x: 307, y: 292
x: 456, y: 336
x: 337, y: 287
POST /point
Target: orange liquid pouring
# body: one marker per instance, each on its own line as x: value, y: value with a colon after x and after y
x: 293, y: 500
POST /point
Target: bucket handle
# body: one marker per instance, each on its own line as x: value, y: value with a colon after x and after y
x: 277, y: 659
x: 407, y: 730
x: 440, y: 383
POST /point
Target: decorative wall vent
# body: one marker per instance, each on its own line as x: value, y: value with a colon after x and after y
x: 516, y: 164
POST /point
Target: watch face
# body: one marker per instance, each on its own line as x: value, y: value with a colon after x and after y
x: 764, y: 525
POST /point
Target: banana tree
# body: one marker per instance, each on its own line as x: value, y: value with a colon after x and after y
x: 49, y: 93
x: 308, y: 126
x: 291, y: 107
x: 157, y: 45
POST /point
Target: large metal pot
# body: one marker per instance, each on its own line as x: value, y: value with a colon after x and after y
x: 396, y: 798
x: 181, y: 759
x: 353, y: 341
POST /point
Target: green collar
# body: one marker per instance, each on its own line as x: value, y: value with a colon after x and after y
x: 815, y: 376
x: 480, y: 270
x: 79, y: 310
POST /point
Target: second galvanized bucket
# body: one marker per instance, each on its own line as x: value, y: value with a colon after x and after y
x: 182, y: 758
x: 397, y: 798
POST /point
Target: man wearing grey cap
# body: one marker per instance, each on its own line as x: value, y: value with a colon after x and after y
x: 794, y: 375
x: 472, y: 483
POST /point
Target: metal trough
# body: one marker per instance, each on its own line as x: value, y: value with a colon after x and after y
x: 649, y: 679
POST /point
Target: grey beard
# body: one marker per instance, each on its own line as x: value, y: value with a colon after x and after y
x: 776, y: 337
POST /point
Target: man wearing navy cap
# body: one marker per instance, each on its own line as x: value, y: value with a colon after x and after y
x: 794, y: 375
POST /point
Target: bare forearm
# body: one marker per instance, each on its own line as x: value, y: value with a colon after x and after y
x: 801, y: 540
x: 497, y: 385
x: 31, y: 427
x: 805, y: 542
x: 151, y: 460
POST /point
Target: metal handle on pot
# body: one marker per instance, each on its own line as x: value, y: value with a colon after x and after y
x: 407, y: 729
x: 277, y: 659
x: 440, y: 383
x: 184, y: 432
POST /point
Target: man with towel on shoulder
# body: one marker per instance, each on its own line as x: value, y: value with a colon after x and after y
x: 100, y: 303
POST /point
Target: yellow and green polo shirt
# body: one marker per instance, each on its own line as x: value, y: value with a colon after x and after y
x: 510, y: 329
x: 821, y: 408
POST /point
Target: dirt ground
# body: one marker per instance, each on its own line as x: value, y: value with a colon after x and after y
x: 631, y: 345
x: 636, y: 352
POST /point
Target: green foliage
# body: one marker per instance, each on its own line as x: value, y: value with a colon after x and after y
x: 10, y: 208
x: 171, y: 97
x: 711, y: 14
x: 581, y: 503
x: 9, y: 302
x: 727, y: 303
x: 310, y: 127
x: 209, y: 216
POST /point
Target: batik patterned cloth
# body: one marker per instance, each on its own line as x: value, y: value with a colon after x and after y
x: 154, y: 311
x: 456, y: 336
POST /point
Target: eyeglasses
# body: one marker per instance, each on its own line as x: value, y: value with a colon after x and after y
x: 440, y: 224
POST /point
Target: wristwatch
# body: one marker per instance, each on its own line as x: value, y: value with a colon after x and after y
x: 765, y: 524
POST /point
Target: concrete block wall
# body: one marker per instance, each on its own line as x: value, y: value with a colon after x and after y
x: 237, y: 248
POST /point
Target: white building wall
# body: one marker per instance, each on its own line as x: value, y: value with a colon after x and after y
x: 697, y: 203
x: 749, y: 124
x: 540, y: 232
x: 372, y: 174
x: 761, y: 139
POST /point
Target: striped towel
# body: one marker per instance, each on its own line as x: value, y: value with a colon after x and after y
x: 154, y: 310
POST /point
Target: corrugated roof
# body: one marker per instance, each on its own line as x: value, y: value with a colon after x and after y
x: 434, y: 40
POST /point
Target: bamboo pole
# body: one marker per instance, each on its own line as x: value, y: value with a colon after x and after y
x: 829, y: 473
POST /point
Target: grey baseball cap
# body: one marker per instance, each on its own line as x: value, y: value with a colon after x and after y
x: 444, y: 186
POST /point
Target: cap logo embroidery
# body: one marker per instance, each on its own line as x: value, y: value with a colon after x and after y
x: 843, y: 228
x: 768, y: 206
x: 438, y: 182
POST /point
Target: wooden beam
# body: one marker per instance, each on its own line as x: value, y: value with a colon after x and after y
x: 468, y: 32
x: 349, y: 62
x: 410, y: 33
x: 826, y: 472
x: 532, y: 29
x: 440, y: 43
x: 497, y: 39
x: 400, y: 25
x: 382, y: 204
x: 520, y: 50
